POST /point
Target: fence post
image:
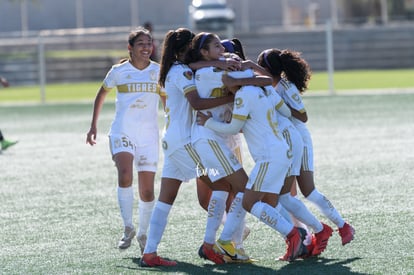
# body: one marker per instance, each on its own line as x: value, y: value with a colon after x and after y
x: 330, y: 58
x: 42, y: 68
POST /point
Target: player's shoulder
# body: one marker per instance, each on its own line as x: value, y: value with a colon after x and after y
x: 285, y: 84
x: 208, y: 69
x: 121, y: 66
x: 181, y: 70
x: 154, y: 64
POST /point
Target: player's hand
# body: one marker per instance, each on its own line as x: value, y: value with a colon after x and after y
x: 202, y: 118
x: 229, y: 64
x: 91, y: 136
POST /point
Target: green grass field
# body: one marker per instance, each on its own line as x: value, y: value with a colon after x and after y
x: 59, y: 212
x: 344, y: 81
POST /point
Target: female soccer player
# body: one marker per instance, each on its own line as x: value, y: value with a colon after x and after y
x: 292, y: 73
x: 180, y: 159
x: 207, y: 46
x: 134, y: 134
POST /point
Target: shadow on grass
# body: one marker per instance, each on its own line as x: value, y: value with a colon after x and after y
x: 319, y: 265
x: 309, y: 266
x: 207, y: 268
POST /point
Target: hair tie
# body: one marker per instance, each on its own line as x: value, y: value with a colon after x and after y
x: 203, y: 39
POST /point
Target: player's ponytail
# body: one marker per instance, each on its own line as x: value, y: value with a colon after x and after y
x: 175, y: 44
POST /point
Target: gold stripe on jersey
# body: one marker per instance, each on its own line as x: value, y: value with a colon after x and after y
x: 160, y: 91
x: 239, y: 117
x: 144, y: 87
x: 189, y: 89
x: 108, y: 89
x: 305, y: 165
x: 217, y: 92
x: 221, y: 157
x: 194, y: 155
x: 280, y: 104
x: 261, y: 174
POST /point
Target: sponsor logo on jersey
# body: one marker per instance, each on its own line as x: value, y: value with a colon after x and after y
x: 239, y: 102
x: 154, y: 75
x: 188, y: 75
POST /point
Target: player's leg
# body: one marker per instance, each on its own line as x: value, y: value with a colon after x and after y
x: 125, y: 193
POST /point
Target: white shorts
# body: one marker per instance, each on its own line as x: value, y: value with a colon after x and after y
x: 307, y: 156
x: 183, y: 164
x: 145, y: 157
x: 294, y: 140
x: 218, y: 160
x: 268, y: 176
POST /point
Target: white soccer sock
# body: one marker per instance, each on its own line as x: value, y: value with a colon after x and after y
x: 237, y: 237
x: 284, y: 212
x: 126, y: 204
x: 235, y: 217
x: 326, y: 207
x: 298, y: 209
x: 145, y: 211
x: 216, y: 208
x: 270, y: 216
x: 158, y: 222
x: 223, y: 220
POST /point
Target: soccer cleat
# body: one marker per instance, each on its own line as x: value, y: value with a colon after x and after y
x: 6, y: 144
x: 142, y: 241
x: 294, y: 245
x: 150, y: 260
x: 226, y: 248
x: 125, y: 242
x: 210, y: 254
x: 347, y: 233
x: 320, y: 241
x: 239, y: 257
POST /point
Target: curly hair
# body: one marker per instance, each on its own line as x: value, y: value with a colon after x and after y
x: 286, y: 64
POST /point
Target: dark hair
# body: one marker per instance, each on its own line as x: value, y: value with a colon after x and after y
x: 133, y: 35
x: 200, y: 41
x: 148, y: 26
x: 234, y: 46
x: 287, y: 63
x: 176, y: 43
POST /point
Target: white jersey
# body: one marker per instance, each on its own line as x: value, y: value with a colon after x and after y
x: 291, y: 135
x: 261, y: 127
x: 137, y: 99
x: 179, y: 115
x: 291, y: 95
x: 209, y: 85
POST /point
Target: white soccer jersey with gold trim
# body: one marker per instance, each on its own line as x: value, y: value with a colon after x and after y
x: 137, y: 98
x: 209, y: 85
x: 179, y: 114
x: 261, y: 128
